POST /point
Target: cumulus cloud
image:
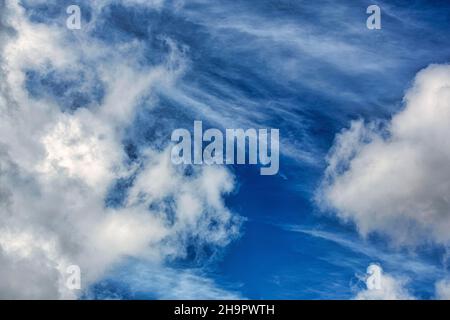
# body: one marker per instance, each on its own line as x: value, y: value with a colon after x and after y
x: 389, y: 288
x: 393, y: 177
x: 57, y: 167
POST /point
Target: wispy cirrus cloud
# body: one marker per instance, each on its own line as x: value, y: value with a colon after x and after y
x: 144, y: 280
x: 399, y: 261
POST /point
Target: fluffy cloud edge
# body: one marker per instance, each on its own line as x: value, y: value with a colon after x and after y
x: 390, y: 177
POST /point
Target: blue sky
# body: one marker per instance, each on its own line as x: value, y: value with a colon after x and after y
x: 309, y: 68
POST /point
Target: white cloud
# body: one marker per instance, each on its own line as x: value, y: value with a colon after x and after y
x: 390, y: 288
x: 56, y: 167
x: 396, y: 180
x: 443, y: 289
